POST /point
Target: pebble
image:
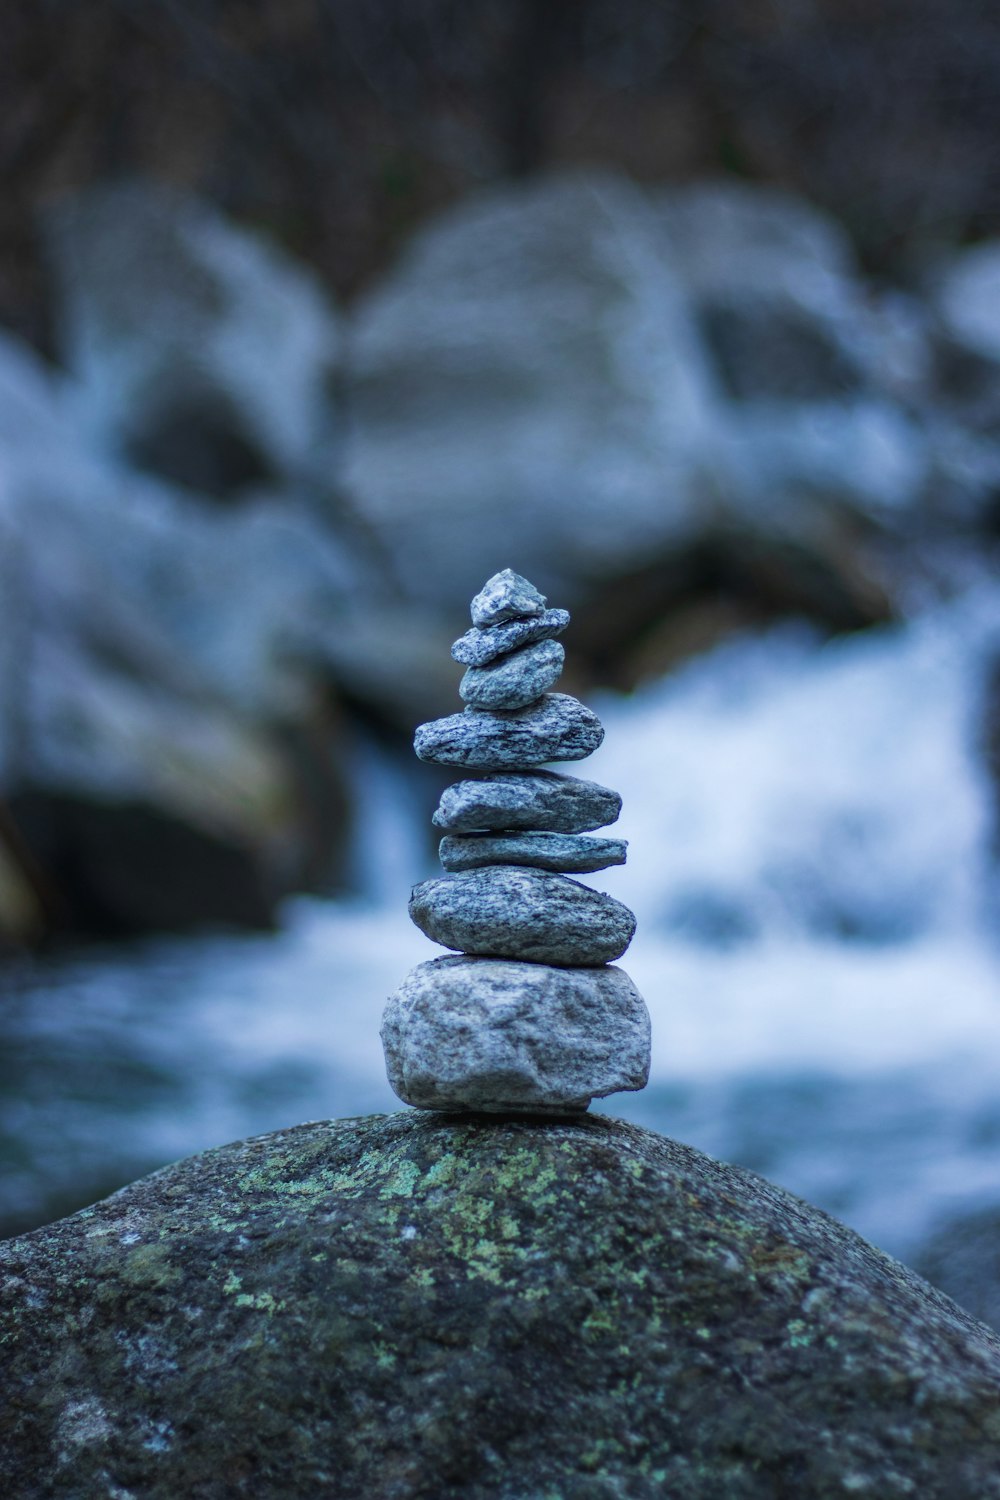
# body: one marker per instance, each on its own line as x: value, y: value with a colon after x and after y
x: 508, y: 912
x: 544, y: 800
x: 477, y: 647
x: 575, y: 853
x: 500, y: 1036
x: 506, y: 596
x: 515, y: 680
x: 557, y: 727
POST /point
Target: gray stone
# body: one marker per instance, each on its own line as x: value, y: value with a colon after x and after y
x: 543, y: 800
x: 506, y: 596
x: 557, y: 727
x: 477, y: 647
x: 414, y: 1305
x: 966, y: 298
x: 573, y: 852
x: 548, y: 314
x: 495, y: 1035
x: 507, y: 912
x: 515, y: 680
x: 199, y: 348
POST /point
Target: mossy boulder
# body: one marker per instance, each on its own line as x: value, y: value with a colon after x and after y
x: 440, y: 1307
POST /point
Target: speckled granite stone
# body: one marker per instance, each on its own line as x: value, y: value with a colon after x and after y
x: 477, y: 647
x: 495, y: 1035
x: 557, y: 727
x: 507, y: 912
x: 506, y: 596
x: 572, y: 853
x: 542, y: 800
x: 516, y: 680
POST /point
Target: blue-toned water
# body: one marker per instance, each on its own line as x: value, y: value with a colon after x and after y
x: 810, y: 830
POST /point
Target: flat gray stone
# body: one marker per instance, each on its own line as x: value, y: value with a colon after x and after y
x: 495, y: 1035
x: 557, y: 727
x: 542, y: 800
x: 476, y: 647
x: 508, y: 912
x: 515, y: 680
x: 506, y: 596
x: 575, y: 853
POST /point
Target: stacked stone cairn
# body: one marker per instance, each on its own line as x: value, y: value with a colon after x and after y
x: 529, y: 1016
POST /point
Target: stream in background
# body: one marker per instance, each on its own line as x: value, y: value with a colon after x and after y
x: 810, y: 827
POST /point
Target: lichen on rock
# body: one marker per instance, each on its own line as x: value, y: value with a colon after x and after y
x: 414, y: 1305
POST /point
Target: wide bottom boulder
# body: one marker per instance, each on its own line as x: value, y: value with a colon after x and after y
x: 404, y: 1306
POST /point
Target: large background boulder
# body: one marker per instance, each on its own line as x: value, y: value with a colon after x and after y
x: 527, y: 387
x: 198, y: 350
x: 407, y: 1305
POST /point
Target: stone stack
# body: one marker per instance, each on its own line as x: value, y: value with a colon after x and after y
x: 530, y: 1016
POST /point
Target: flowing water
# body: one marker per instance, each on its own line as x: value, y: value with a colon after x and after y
x: 810, y: 830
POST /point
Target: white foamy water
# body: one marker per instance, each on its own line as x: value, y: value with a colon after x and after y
x: 809, y: 862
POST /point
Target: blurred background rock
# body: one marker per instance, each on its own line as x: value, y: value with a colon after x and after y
x: 314, y: 314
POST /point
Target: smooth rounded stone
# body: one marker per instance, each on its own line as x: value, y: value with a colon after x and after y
x: 516, y: 680
x: 541, y: 800
x: 557, y: 727
x: 572, y: 852
x: 508, y: 912
x: 477, y: 647
x: 417, y: 1305
x: 495, y: 1035
x: 506, y: 596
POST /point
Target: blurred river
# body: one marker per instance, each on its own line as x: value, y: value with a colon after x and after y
x: 810, y: 828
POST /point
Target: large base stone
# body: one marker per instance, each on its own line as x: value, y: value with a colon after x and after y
x: 412, y: 1306
x: 488, y: 1034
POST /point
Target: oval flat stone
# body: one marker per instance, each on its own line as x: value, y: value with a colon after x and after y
x: 497, y: 1035
x: 544, y: 800
x: 557, y: 727
x: 507, y: 912
x: 573, y: 853
x: 515, y: 680
x: 477, y: 647
x: 506, y: 596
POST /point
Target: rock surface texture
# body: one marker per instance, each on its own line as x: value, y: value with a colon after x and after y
x: 412, y: 1306
x: 479, y: 1029
x: 516, y: 680
x: 543, y: 800
x: 555, y: 1027
x: 556, y: 727
x: 477, y: 647
x: 514, y: 912
x: 576, y: 852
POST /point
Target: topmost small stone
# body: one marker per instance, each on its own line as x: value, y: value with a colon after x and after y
x: 506, y: 596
